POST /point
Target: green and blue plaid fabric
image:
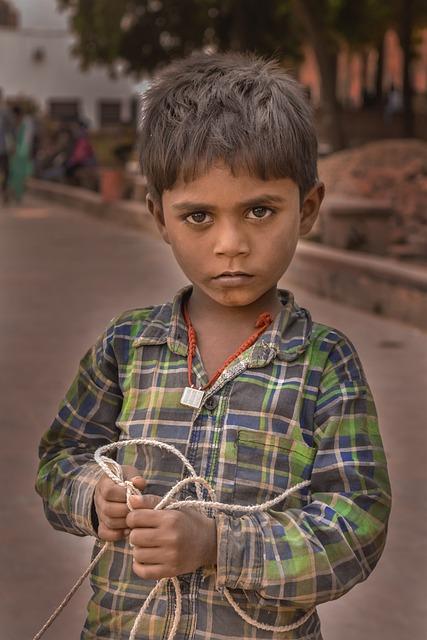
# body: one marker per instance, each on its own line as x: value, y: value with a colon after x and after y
x: 294, y: 406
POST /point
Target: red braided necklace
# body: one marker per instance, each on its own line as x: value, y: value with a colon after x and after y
x: 193, y: 397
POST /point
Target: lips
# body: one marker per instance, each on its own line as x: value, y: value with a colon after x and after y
x: 232, y: 274
x: 233, y: 279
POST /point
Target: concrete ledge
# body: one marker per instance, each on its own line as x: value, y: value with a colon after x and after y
x: 380, y: 285
x: 126, y: 212
x: 360, y: 224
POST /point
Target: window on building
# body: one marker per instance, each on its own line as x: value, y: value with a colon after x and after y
x: 66, y: 110
x: 110, y: 112
x: 8, y: 15
x: 134, y: 110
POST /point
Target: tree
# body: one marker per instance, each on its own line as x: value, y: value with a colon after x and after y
x: 406, y: 17
x: 362, y: 26
x: 314, y: 16
x: 146, y: 34
x: 140, y: 34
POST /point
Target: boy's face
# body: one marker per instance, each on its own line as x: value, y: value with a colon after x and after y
x: 220, y: 223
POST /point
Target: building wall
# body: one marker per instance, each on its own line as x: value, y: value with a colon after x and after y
x: 54, y: 74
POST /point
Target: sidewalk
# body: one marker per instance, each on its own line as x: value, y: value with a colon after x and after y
x: 63, y: 276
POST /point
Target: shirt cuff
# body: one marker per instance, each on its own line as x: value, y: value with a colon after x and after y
x: 82, y: 498
x: 240, y: 552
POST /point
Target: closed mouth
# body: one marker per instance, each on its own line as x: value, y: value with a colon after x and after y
x: 232, y: 274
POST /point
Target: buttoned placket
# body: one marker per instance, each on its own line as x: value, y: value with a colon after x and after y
x: 259, y: 355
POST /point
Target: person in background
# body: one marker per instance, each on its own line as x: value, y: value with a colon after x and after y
x: 6, y: 145
x: 53, y: 155
x: 82, y: 154
x: 21, y: 164
x: 393, y: 105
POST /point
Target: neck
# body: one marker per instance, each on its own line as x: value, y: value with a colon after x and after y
x: 201, y: 307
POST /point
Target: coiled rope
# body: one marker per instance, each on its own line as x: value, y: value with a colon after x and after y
x: 114, y: 471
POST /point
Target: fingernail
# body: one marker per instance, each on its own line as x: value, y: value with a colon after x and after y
x: 127, y: 532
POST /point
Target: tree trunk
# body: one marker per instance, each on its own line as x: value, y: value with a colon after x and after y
x: 406, y: 43
x: 365, y: 89
x: 326, y: 57
x: 379, y: 72
x: 238, y: 26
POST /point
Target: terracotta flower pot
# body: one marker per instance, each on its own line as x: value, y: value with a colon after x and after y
x: 111, y: 184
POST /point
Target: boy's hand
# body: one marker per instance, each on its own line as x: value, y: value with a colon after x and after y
x: 169, y: 543
x: 111, y: 507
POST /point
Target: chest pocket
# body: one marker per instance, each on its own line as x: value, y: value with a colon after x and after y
x: 267, y: 464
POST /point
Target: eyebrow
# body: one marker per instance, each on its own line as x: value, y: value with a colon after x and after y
x: 265, y: 198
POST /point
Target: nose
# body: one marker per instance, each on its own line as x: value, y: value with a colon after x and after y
x: 231, y: 240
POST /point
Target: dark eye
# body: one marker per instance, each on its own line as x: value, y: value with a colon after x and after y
x: 260, y: 213
x: 198, y: 217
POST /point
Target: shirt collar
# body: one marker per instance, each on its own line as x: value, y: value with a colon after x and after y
x: 287, y: 337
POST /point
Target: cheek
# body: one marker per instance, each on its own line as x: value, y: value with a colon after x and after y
x: 282, y: 244
x: 188, y: 254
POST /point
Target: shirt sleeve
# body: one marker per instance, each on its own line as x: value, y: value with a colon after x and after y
x: 303, y: 557
x: 86, y: 420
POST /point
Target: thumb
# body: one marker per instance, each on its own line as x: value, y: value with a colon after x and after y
x: 134, y: 475
x: 139, y: 482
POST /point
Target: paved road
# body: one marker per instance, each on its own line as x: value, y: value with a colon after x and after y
x: 63, y: 276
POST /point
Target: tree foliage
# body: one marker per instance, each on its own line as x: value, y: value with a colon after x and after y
x: 146, y: 34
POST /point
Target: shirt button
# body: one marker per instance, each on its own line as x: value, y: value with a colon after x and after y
x: 184, y: 583
x: 211, y: 403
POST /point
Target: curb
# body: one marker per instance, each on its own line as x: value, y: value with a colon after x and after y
x: 126, y: 212
x: 380, y: 285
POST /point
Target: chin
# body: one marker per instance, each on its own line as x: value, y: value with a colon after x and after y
x: 234, y: 298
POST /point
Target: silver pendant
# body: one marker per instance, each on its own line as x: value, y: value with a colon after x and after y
x: 192, y: 397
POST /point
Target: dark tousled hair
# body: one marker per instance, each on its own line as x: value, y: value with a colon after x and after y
x: 236, y: 108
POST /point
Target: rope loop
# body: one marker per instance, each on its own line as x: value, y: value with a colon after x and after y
x: 115, y: 472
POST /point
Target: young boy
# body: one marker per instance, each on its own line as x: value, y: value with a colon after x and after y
x: 229, y: 152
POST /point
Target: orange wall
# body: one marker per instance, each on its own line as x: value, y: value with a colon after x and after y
x: 350, y: 70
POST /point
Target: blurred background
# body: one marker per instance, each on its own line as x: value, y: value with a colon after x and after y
x: 77, y: 245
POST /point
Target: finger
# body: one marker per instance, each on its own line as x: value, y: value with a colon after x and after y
x: 113, y: 523
x: 133, y: 474
x: 114, y: 509
x: 139, y: 482
x: 110, y: 535
x: 153, y: 555
x: 148, y: 501
x: 151, y: 571
x: 112, y: 492
x: 144, y: 538
x: 144, y: 518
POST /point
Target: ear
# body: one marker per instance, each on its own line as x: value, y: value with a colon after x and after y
x: 154, y: 206
x: 310, y: 208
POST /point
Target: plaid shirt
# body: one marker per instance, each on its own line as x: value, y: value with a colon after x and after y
x: 294, y: 406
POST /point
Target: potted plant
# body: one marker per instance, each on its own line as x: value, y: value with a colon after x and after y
x: 112, y: 161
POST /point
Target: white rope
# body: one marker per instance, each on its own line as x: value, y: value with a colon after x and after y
x: 71, y: 592
x: 114, y: 471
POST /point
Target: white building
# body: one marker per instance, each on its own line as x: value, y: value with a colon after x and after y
x: 35, y: 62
